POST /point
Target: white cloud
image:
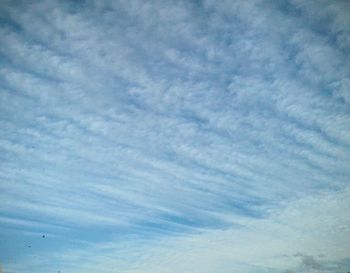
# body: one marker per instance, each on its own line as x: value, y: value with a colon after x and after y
x: 174, y: 119
x: 309, y: 234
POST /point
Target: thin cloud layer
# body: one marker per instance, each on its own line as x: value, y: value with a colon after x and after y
x: 174, y: 136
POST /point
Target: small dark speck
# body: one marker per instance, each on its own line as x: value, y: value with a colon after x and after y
x: 43, y: 236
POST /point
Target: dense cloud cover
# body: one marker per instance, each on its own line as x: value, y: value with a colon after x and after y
x: 175, y: 136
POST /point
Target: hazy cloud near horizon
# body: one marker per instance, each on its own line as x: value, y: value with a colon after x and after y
x: 175, y: 136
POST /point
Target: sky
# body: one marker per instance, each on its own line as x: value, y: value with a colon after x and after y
x: 175, y: 136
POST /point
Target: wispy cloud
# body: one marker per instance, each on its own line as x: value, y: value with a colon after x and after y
x: 185, y: 125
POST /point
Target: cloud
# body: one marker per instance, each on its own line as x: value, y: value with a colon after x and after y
x: 185, y: 125
x: 296, y: 237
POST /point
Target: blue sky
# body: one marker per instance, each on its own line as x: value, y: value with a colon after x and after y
x: 175, y: 136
